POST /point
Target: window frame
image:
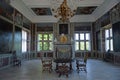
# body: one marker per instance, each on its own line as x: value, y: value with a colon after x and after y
x: 26, y: 40
x: 48, y: 41
x: 84, y: 40
x: 109, y: 38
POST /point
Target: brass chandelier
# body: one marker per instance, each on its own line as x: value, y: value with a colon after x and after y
x: 64, y: 12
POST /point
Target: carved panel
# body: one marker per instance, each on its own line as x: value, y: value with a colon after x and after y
x: 63, y: 51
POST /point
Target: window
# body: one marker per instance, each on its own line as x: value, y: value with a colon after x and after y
x: 108, y: 39
x: 45, y: 41
x: 24, y: 41
x: 82, y: 41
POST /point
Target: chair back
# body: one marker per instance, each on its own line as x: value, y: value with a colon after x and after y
x: 63, y: 52
x: 46, y: 64
x: 85, y: 57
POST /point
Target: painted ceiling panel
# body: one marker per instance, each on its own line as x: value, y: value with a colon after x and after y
x: 42, y: 11
x: 85, y: 10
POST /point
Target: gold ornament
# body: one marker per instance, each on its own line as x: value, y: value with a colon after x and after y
x: 63, y: 38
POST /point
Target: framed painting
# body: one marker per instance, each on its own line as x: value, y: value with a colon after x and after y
x: 63, y: 29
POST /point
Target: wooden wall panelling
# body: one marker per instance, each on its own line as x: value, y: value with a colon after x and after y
x: 116, y: 36
x: 18, y: 40
x: 6, y: 30
x: 6, y: 10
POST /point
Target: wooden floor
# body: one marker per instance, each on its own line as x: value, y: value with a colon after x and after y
x: 32, y: 70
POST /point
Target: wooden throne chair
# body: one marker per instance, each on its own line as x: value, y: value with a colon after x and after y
x: 63, y: 59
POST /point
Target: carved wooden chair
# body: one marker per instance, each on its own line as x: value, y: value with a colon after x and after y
x: 63, y: 69
x: 46, y: 64
x: 63, y: 59
x: 16, y: 59
x: 81, y: 63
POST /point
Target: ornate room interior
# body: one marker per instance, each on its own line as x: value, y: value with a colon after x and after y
x: 64, y: 39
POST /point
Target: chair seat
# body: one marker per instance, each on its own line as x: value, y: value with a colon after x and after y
x: 63, y: 70
x: 46, y: 65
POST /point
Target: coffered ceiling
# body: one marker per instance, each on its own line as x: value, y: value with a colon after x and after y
x: 39, y: 11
